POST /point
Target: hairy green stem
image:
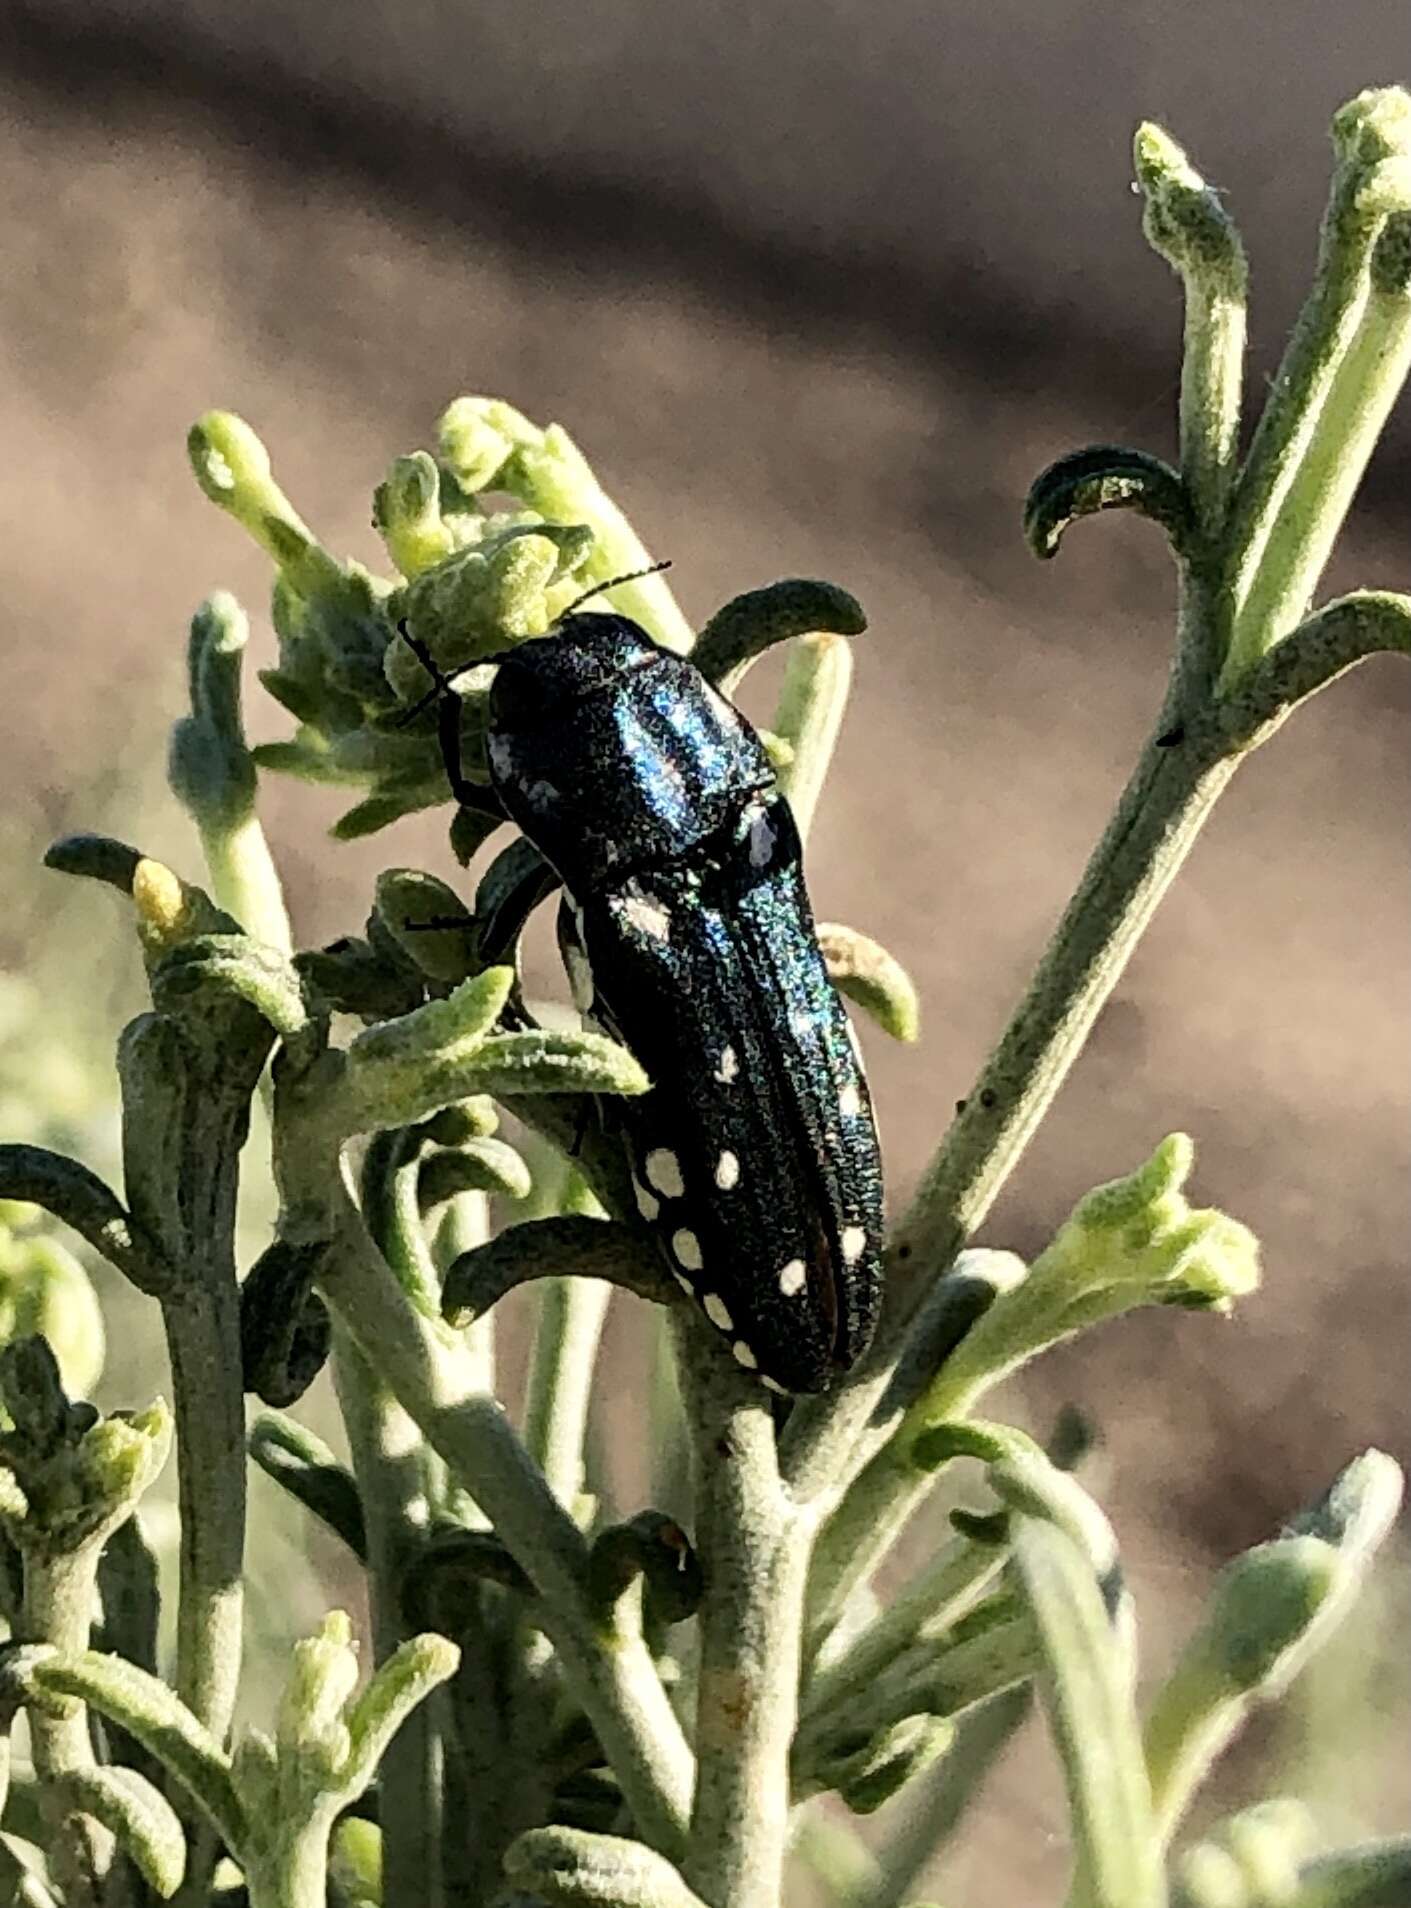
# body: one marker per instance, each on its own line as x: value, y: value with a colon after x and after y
x: 1165, y: 804
x: 436, y: 1379
x: 756, y: 1543
x: 60, y: 1590
x: 566, y: 1334
x: 245, y: 881
x: 203, y: 1341
x: 1318, y: 477
x: 1162, y: 809
x: 203, y: 1346
x: 939, y: 1594
x: 390, y: 1462
x: 297, y: 1874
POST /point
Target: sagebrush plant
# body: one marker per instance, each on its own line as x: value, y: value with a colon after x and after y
x: 564, y: 1709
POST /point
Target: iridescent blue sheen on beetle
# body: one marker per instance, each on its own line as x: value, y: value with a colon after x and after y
x: 687, y: 932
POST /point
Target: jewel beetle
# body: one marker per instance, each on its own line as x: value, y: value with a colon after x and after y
x: 687, y: 934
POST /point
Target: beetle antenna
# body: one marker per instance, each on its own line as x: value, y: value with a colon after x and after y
x: 441, y: 679
x: 629, y: 576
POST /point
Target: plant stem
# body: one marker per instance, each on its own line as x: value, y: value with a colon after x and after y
x: 202, y: 1323
x: 570, y: 1322
x: 390, y: 1463
x: 1162, y: 810
x: 59, y: 1600
x: 755, y: 1544
x: 296, y: 1874
x: 436, y: 1380
x: 1212, y: 377
x: 245, y: 881
x: 203, y: 1341
x: 1314, y: 476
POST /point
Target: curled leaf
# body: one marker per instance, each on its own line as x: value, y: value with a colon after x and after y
x: 405, y: 1069
x: 438, y: 1586
x: 1185, y: 219
x: 209, y: 766
x: 232, y: 965
x: 303, y: 1465
x: 552, y: 1248
x: 1105, y: 477
x: 754, y: 622
x: 510, y: 1064
x: 285, y: 1329
x: 654, y: 1546
x: 867, y: 1776
x: 1342, y: 634
x: 514, y: 884
x: 864, y: 971
x: 479, y: 1165
x: 80, y: 1199
x: 97, y: 858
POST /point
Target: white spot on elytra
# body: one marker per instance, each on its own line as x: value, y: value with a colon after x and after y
x: 687, y: 1248
x: 729, y: 1066
x: 727, y: 1171
x: 773, y: 1384
x: 850, y: 1101
x: 647, y: 916
x: 664, y: 1172
x: 646, y: 1204
x: 744, y: 1356
x: 792, y: 1277
x: 717, y: 1311
x: 854, y: 1243
x: 684, y: 1282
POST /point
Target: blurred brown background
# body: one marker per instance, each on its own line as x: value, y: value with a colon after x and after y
x: 818, y: 289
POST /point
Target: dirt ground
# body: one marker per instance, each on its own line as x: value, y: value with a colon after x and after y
x: 159, y: 260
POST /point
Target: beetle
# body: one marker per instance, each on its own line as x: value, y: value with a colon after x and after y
x: 687, y: 934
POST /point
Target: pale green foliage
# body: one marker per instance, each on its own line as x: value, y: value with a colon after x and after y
x: 645, y: 1713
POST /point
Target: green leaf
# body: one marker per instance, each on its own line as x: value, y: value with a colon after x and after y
x: 1105, y: 477
x: 864, y: 971
x: 479, y: 1165
x: 302, y: 1464
x: 409, y: 1675
x: 578, y: 1869
x: 429, y: 922
x: 754, y: 622
x: 144, y: 1822
x: 508, y: 1064
x: 145, y: 1707
x: 1268, y: 1613
x: 810, y: 714
x: 80, y: 1199
x: 567, y: 1245
x: 1087, y: 1692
